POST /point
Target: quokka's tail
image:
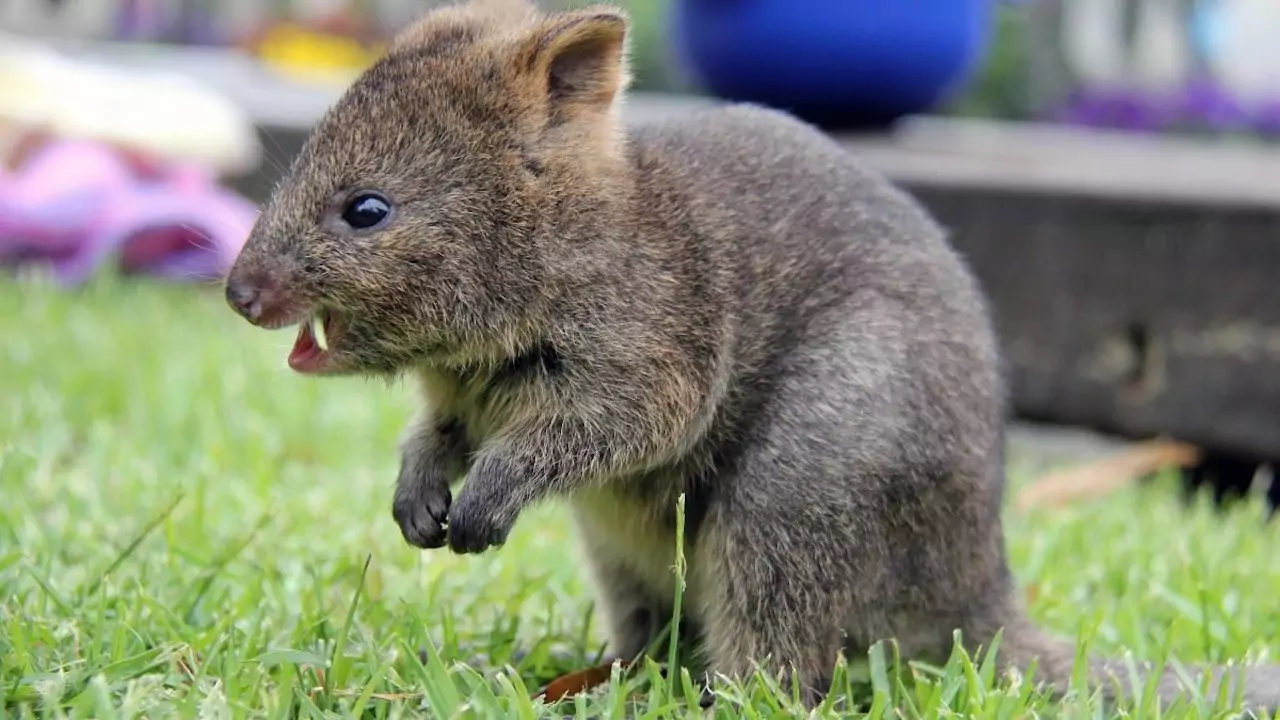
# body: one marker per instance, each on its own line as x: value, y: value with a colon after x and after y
x: 1022, y: 642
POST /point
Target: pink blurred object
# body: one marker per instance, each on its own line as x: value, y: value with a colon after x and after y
x: 75, y: 204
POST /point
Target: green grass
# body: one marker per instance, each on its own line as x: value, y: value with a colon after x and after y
x: 185, y: 527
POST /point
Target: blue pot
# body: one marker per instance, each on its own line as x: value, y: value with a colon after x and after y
x: 835, y: 62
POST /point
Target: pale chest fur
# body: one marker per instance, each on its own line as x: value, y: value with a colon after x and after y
x: 471, y: 401
x: 629, y: 532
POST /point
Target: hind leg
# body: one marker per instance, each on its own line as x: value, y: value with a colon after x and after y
x: 771, y: 596
x: 823, y: 536
x: 636, y: 608
x: 635, y: 615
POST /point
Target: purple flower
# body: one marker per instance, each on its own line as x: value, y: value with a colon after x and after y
x: 1205, y: 103
x: 1266, y: 119
x: 1115, y: 108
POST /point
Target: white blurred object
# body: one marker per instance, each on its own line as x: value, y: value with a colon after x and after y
x: 1158, y: 59
x: 1161, y: 48
x: 1092, y: 40
x: 166, y: 113
x: 1243, y: 55
x: 78, y: 18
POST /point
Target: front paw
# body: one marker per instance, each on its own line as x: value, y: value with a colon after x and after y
x: 474, y: 528
x: 421, y: 509
x: 482, y: 516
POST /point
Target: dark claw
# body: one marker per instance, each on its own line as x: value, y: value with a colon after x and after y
x: 473, y: 530
x: 707, y: 698
x: 422, y: 517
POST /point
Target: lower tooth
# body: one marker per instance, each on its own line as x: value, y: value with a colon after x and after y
x: 317, y: 330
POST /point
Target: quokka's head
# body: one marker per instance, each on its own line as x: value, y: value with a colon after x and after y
x: 419, y: 216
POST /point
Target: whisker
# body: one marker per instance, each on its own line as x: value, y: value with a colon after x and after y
x: 280, y: 164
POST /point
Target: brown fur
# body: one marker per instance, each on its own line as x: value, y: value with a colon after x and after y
x: 725, y: 305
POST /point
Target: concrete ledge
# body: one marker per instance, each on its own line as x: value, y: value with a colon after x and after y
x: 1024, y: 157
x: 1131, y: 316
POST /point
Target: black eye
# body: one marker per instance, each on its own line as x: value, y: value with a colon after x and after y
x: 365, y: 211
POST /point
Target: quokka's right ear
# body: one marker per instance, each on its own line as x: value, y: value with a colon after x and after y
x: 579, y: 59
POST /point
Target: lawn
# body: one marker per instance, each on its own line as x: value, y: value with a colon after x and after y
x: 187, y: 529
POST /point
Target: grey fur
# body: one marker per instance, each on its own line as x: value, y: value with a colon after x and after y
x: 726, y: 305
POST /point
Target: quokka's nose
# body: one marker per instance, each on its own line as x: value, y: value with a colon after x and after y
x: 245, y: 298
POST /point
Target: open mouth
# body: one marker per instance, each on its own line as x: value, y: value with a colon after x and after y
x: 310, y: 352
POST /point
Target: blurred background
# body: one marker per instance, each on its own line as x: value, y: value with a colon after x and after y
x: 1108, y: 166
x: 1185, y: 65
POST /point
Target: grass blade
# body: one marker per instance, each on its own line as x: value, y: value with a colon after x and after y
x: 129, y: 549
x: 338, y: 663
x: 437, y: 683
x: 673, y: 646
x: 219, y: 565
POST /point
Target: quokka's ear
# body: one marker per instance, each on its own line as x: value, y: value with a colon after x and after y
x: 579, y: 59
